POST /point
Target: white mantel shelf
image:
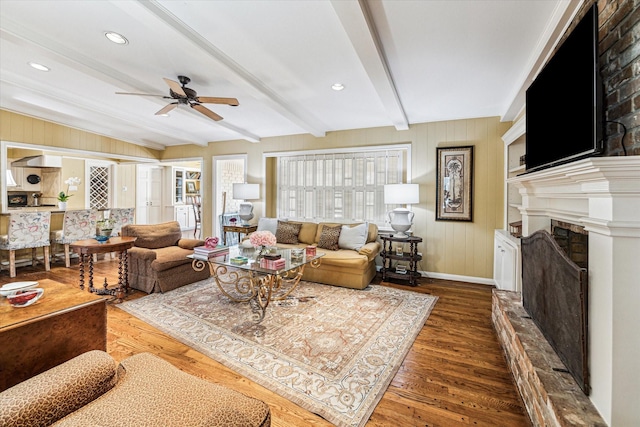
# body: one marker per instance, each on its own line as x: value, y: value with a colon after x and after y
x: 603, y: 195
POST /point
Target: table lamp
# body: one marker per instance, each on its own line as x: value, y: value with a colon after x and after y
x: 401, y: 218
x: 245, y: 192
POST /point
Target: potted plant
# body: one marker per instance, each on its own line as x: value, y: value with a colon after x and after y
x: 72, y: 184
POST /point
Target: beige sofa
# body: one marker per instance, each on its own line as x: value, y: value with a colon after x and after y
x: 343, y: 267
x: 143, y: 390
x: 158, y: 262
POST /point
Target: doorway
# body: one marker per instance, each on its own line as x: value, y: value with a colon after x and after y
x: 226, y: 171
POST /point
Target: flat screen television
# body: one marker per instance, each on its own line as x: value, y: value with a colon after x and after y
x: 564, y: 104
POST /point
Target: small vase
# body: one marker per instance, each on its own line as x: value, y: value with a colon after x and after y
x: 62, y: 206
x: 260, y: 252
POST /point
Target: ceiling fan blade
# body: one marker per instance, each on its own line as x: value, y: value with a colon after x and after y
x: 214, y: 100
x: 167, y: 108
x: 141, y: 94
x: 204, y: 110
x: 175, y: 87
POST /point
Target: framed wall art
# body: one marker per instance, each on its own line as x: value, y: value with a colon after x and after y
x: 454, y: 183
x: 191, y: 187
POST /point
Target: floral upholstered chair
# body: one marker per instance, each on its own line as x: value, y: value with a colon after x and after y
x: 76, y: 225
x: 120, y: 218
x: 27, y: 230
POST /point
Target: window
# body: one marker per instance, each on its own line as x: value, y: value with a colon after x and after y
x: 338, y: 186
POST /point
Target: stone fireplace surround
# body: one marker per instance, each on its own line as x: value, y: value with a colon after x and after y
x: 601, y: 194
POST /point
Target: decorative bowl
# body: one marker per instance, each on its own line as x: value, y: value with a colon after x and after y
x: 25, y: 298
x: 12, y: 288
x: 101, y: 238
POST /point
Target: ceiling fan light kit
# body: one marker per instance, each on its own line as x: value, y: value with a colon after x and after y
x: 181, y: 94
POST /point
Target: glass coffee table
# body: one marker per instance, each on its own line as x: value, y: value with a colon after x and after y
x: 241, y: 278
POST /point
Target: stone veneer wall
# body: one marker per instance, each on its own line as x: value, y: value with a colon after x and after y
x: 550, y: 394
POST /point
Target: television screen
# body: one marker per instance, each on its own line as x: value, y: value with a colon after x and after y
x: 564, y: 103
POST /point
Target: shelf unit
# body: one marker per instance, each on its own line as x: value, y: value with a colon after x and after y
x: 514, y: 149
x: 390, y: 255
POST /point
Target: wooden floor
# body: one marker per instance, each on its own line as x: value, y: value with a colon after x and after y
x: 455, y: 374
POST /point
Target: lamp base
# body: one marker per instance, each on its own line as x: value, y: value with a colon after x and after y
x: 401, y: 221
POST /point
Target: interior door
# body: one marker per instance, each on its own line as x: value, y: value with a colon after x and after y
x: 149, y: 194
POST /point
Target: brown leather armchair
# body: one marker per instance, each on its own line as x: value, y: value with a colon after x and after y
x: 158, y: 261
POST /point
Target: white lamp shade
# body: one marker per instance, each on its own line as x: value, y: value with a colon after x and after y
x: 10, y: 181
x: 246, y: 191
x: 401, y: 194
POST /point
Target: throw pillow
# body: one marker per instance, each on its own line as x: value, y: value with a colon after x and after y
x: 268, y: 224
x: 353, y: 237
x: 329, y: 238
x: 287, y: 232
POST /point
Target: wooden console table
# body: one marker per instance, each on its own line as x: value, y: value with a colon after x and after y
x: 85, y: 250
x: 61, y: 325
x: 240, y: 229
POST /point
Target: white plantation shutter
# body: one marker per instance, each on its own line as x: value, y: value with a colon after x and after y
x: 340, y: 187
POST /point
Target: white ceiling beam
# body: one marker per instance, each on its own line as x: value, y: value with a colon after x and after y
x: 238, y: 75
x: 358, y: 23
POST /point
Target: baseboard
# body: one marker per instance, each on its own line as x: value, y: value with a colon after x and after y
x: 458, y: 278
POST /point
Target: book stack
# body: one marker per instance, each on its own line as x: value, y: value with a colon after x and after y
x: 204, y: 252
x: 273, y: 264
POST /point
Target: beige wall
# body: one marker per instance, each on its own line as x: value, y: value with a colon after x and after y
x: 455, y: 248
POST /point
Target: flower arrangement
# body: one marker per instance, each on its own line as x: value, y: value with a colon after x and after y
x: 72, y: 184
x: 262, y: 238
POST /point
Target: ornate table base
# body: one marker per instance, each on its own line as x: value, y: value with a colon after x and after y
x: 256, y: 288
x: 86, y: 249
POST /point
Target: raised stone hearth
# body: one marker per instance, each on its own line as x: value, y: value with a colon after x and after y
x: 550, y: 394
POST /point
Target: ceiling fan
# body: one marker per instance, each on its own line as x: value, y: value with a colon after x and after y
x: 186, y: 96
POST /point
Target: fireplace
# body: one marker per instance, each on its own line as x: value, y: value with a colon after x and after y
x: 601, y: 196
x: 555, y: 294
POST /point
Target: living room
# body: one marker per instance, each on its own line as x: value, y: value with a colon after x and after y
x: 457, y: 251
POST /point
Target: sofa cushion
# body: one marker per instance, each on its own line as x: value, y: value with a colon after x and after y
x: 152, y: 392
x: 63, y: 389
x: 153, y: 236
x: 170, y: 257
x: 329, y: 237
x: 353, y: 236
x: 269, y: 224
x: 287, y: 232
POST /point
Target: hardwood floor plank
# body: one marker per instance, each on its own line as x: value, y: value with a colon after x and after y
x: 455, y: 373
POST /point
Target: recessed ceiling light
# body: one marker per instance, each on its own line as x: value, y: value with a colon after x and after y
x: 337, y: 86
x: 39, y: 67
x: 116, y: 38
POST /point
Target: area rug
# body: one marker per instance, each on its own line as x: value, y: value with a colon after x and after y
x: 330, y: 350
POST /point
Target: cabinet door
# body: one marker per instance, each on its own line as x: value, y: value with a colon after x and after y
x: 504, y: 265
x: 182, y: 217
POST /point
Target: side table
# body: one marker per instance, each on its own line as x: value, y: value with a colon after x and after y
x: 85, y: 250
x: 240, y: 229
x: 389, y: 255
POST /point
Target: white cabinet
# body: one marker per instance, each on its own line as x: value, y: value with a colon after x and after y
x: 20, y: 175
x: 507, y: 262
x: 185, y: 216
x: 149, y: 195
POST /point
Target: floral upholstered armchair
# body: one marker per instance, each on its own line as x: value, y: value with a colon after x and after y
x: 27, y: 230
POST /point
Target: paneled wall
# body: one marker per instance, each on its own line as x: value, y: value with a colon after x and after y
x: 450, y: 248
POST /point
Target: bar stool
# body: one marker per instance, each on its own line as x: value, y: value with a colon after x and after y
x: 196, y: 202
x: 121, y: 217
x: 27, y: 230
x: 76, y: 225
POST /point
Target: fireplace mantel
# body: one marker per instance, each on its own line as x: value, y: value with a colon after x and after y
x: 603, y: 195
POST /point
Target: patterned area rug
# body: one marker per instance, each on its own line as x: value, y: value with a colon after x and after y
x: 331, y: 350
